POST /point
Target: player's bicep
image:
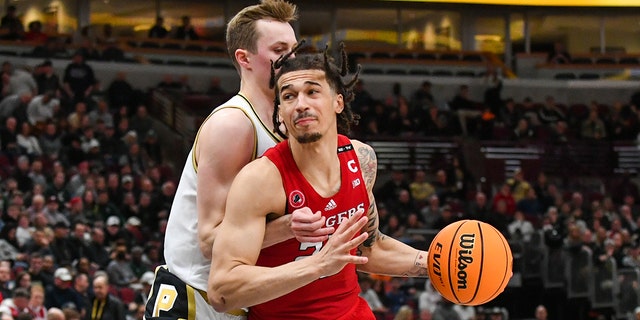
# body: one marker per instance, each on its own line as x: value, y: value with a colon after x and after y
x: 241, y: 232
x: 218, y: 162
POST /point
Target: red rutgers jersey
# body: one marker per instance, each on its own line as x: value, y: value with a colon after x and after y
x: 331, y: 297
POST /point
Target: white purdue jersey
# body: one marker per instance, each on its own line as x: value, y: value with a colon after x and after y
x: 181, y: 248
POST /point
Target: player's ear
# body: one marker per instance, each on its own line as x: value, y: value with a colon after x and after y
x: 339, y: 104
x: 242, y: 57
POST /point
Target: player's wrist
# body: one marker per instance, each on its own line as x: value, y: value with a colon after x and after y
x: 421, y: 259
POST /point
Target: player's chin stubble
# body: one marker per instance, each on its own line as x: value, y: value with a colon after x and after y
x: 308, y: 137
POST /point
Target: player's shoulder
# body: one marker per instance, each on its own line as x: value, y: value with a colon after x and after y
x: 360, y: 147
x: 260, y: 172
x: 227, y: 121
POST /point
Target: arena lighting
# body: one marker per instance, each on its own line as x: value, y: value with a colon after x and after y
x: 544, y: 3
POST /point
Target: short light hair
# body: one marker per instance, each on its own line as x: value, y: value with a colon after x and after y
x: 241, y: 30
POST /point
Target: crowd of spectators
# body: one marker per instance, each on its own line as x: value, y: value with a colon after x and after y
x: 604, y: 224
x: 492, y: 118
x: 85, y: 194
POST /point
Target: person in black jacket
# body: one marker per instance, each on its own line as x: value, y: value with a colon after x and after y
x: 104, y: 306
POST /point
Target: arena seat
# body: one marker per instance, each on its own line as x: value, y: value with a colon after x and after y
x: 589, y: 76
x: 474, y: 57
x: 605, y: 60
x: 421, y: 72
x: 581, y: 60
x: 426, y: 56
x: 465, y: 73
x: 565, y: 76
x: 396, y: 71
x: 442, y: 73
x: 449, y: 56
x: 629, y: 60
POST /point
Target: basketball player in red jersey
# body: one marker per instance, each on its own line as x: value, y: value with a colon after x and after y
x: 322, y: 170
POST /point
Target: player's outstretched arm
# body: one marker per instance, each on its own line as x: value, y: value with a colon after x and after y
x: 234, y: 280
x: 386, y: 255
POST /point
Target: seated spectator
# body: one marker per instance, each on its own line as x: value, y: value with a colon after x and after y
x: 401, y: 121
x: 141, y: 122
x: 11, y: 25
x: 429, y: 298
x: 186, y: 31
x: 520, y: 228
x: 444, y: 311
x: 369, y: 295
x: 119, y: 269
x: 421, y: 189
x: 560, y: 133
x: 522, y: 131
x: 510, y: 114
x: 550, y: 114
x: 111, y: 306
x: 158, y: 30
x: 422, y: 99
x: 593, y: 128
x: 27, y: 142
x: 363, y: 102
x: 60, y: 293
x: 530, y: 112
x: 35, y: 33
x: 394, y: 228
x: 559, y: 55
x: 21, y: 80
x: 447, y: 216
x: 18, y: 303
x: 464, y: 108
x: 42, y: 108
x: 15, y: 105
x: 36, y: 303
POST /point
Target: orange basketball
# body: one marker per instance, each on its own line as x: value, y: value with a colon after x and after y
x: 470, y: 262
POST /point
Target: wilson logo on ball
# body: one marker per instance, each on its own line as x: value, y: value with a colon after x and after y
x: 467, y: 242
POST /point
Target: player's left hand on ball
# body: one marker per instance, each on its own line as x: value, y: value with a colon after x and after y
x: 308, y: 226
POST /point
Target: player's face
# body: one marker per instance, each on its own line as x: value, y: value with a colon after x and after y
x: 308, y: 105
x: 275, y: 39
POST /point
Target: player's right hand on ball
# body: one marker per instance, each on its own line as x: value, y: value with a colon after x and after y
x: 336, y: 253
x: 308, y: 226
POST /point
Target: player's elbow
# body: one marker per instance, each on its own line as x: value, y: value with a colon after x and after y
x: 217, y: 298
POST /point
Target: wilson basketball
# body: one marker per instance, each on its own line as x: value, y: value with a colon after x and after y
x: 470, y: 262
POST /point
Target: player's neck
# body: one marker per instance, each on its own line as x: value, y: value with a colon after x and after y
x: 260, y: 99
x: 319, y: 164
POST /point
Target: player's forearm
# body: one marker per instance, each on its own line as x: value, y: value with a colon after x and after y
x: 247, y: 285
x: 391, y: 257
x: 277, y: 231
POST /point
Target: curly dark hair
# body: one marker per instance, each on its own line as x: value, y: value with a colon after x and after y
x: 335, y: 77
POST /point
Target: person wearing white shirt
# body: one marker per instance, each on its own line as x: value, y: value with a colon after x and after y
x: 42, y: 108
x: 27, y: 141
x: 429, y: 298
x: 520, y: 228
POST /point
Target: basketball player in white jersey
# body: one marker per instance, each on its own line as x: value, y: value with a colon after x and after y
x: 234, y: 134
